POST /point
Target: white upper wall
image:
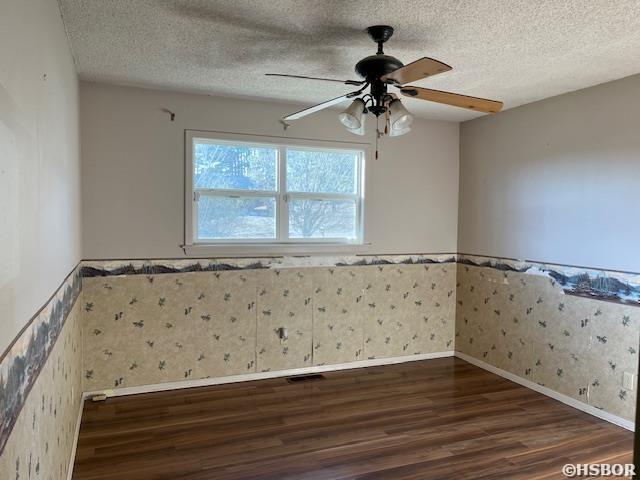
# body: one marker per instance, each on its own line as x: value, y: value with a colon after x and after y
x: 39, y: 164
x: 557, y: 180
x: 133, y: 171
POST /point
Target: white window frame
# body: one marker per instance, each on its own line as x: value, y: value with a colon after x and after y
x: 281, y: 244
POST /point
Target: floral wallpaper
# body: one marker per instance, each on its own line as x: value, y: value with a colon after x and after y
x: 339, y: 314
x: 155, y: 328
x: 573, y: 330
x: 410, y: 310
x: 526, y: 324
x: 284, y: 300
x: 547, y: 323
x: 142, y: 330
x: 42, y: 435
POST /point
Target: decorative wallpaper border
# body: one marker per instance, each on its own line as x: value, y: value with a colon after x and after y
x: 23, y: 361
x: 108, y: 268
x: 26, y: 357
x: 597, y: 284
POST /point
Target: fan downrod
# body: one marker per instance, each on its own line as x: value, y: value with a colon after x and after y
x: 373, y: 67
x: 380, y: 34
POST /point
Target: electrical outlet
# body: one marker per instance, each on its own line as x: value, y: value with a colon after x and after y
x: 628, y: 379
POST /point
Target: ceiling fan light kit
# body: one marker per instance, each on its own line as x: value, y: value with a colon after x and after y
x: 353, y: 116
x: 380, y: 71
x: 399, y: 118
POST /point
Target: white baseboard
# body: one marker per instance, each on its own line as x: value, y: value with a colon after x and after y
x: 205, y: 382
x: 74, y: 447
x: 159, y: 387
x: 591, y: 410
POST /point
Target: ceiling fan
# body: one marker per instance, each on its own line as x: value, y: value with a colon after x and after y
x: 380, y: 71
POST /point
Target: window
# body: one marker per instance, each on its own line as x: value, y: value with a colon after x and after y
x: 260, y: 190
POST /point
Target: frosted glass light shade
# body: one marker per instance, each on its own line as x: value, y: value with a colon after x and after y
x: 397, y: 133
x: 359, y: 131
x: 353, y: 116
x: 400, y: 119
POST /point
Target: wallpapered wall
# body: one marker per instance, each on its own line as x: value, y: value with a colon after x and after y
x: 518, y: 318
x: 573, y: 330
x: 156, y: 328
x: 40, y: 390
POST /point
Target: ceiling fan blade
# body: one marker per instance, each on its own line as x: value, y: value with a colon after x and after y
x: 455, y: 99
x: 345, y: 82
x: 321, y: 106
x: 422, y: 68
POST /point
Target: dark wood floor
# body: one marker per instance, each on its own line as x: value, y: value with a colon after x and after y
x: 434, y: 419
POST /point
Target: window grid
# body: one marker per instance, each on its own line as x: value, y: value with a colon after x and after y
x: 282, y: 197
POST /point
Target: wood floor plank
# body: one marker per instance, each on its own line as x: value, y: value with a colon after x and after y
x: 442, y: 418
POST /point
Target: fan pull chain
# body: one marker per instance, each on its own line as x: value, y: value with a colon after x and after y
x: 377, y: 135
x: 386, y: 122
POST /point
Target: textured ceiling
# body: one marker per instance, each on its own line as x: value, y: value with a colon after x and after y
x: 517, y: 51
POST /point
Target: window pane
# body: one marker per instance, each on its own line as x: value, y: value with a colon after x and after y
x: 243, y: 218
x: 322, y: 171
x: 241, y: 167
x: 322, y: 219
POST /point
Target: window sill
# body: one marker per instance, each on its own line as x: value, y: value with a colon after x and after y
x: 274, y: 249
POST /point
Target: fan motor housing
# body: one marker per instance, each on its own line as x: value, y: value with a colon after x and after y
x: 374, y: 66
